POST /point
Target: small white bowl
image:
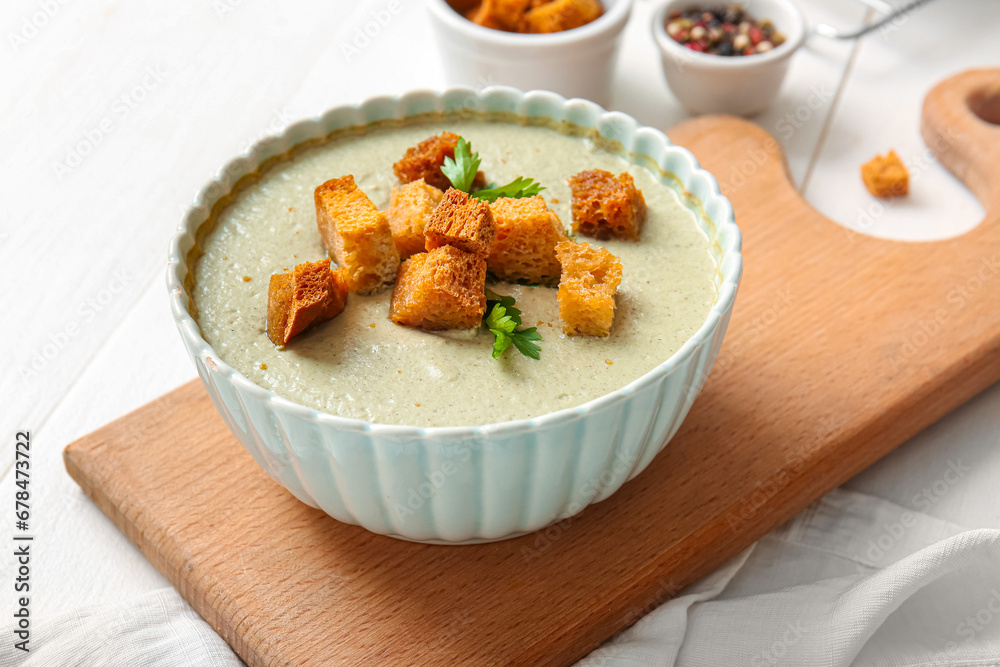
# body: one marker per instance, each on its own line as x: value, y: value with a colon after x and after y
x: 476, y: 483
x: 742, y: 85
x: 574, y: 63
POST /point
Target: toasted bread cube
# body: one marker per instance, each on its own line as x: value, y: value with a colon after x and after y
x: 357, y: 234
x: 886, y: 176
x: 461, y: 221
x: 463, y: 6
x: 560, y: 15
x: 297, y: 299
x: 425, y: 159
x: 606, y: 206
x: 590, y: 278
x: 499, y: 14
x: 279, y: 306
x: 525, y: 247
x: 410, y: 207
x: 444, y: 288
x: 481, y: 16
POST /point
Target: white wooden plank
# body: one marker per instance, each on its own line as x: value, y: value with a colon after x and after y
x: 158, y: 97
x: 78, y: 552
x: 880, y: 109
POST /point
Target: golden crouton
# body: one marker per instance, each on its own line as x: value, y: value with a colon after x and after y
x: 606, y: 206
x: 886, y: 176
x: 560, y: 15
x: 410, y: 207
x: 590, y: 278
x: 525, y: 247
x: 481, y: 16
x: 309, y: 294
x: 425, y: 159
x: 444, y: 288
x: 462, y: 6
x: 357, y: 234
x: 499, y: 14
x: 461, y: 221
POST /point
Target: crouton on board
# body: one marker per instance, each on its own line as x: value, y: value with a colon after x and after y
x: 461, y: 221
x: 357, y: 234
x: 886, y: 176
x: 560, y: 15
x: 606, y: 206
x: 525, y: 246
x: 590, y: 279
x: 299, y: 298
x: 444, y: 288
x: 425, y: 159
x: 410, y: 207
x: 499, y: 14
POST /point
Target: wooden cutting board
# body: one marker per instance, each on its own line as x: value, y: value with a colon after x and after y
x: 841, y: 347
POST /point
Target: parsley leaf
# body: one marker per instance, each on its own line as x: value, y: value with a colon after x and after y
x: 462, y: 169
x: 519, y: 187
x: 522, y: 341
x: 493, y: 298
x: 503, y: 320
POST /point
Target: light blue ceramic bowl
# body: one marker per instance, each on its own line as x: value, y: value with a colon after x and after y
x: 468, y: 484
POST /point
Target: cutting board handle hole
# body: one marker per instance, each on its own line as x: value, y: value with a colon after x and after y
x: 985, y: 104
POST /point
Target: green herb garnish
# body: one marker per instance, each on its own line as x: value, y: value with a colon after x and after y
x: 519, y: 187
x: 503, y: 320
x: 461, y: 170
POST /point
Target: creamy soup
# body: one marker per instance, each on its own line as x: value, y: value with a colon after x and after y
x: 361, y: 365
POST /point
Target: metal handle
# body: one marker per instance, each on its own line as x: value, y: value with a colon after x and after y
x: 825, y: 30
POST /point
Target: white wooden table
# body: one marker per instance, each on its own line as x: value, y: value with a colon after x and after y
x: 114, y: 113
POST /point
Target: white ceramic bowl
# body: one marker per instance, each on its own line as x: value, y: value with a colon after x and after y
x: 468, y: 484
x: 743, y: 85
x: 574, y: 63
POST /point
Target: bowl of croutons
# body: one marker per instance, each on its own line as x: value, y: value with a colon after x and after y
x: 567, y: 46
x: 457, y: 316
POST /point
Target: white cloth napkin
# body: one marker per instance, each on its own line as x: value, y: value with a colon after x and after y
x: 853, y: 580
x: 158, y: 629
